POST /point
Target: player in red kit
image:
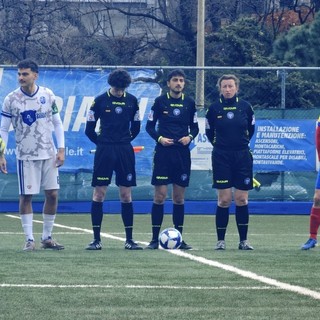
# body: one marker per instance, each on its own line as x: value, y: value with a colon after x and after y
x: 315, y: 210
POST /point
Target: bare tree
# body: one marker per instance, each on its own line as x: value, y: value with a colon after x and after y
x: 44, y: 30
x: 280, y: 18
x: 177, y: 19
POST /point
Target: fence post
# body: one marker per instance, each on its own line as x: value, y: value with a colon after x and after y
x: 283, y: 74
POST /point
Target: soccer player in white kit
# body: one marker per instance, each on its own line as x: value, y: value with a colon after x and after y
x: 33, y: 113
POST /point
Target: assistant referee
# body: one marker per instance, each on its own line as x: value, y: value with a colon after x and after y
x: 230, y: 125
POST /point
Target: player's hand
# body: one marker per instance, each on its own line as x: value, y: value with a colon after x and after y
x: 185, y: 140
x: 3, y: 164
x: 166, y: 141
x: 60, y: 157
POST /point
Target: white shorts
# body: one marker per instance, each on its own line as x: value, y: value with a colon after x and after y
x: 34, y: 175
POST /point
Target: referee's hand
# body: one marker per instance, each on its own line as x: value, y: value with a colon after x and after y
x: 185, y: 140
x: 166, y: 141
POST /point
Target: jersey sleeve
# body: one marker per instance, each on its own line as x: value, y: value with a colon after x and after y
x: 5, y: 121
x: 92, y: 118
x: 152, y: 121
x: 57, y: 123
x: 194, y: 126
x: 210, y: 125
x: 58, y: 130
x: 135, y: 124
x: 251, y: 121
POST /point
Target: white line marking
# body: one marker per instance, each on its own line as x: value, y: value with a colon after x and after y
x: 15, y: 233
x: 9, y: 285
x: 212, y: 263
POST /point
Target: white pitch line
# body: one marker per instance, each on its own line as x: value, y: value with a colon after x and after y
x: 16, y: 233
x: 212, y: 263
x: 75, y: 286
x: 251, y: 275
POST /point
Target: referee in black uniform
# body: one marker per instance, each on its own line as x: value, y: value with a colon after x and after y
x: 173, y: 124
x: 118, y: 112
x: 230, y: 124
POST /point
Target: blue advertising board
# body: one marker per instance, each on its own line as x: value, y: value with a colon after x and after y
x: 284, y: 145
x: 75, y: 90
x: 277, y: 145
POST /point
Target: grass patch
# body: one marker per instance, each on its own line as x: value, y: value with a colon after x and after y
x: 117, y: 284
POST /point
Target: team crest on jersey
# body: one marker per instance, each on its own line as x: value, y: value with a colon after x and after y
x: 29, y: 117
x: 118, y: 110
x: 176, y: 112
x: 230, y: 115
x: 42, y: 100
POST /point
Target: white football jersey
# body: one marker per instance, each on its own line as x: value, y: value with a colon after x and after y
x: 31, y: 117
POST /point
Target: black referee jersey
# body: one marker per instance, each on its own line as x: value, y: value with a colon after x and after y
x: 230, y: 124
x: 119, y: 119
x: 176, y: 118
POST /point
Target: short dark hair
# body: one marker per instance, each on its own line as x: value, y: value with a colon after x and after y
x: 28, y: 63
x: 176, y: 72
x: 228, y: 77
x: 119, y: 78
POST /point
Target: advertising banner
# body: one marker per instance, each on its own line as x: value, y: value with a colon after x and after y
x: 277, y: 145
x: 284, y: 145
x: 75, y: 90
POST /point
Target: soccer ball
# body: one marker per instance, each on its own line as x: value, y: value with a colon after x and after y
x: 170, y: 238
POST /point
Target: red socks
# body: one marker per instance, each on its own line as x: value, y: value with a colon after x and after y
x: 314, y: 222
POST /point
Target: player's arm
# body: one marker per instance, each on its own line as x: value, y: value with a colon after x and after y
x: 151, y: 126
x: 2, y: 147
x: 59, y: 133
x: 210, y: 126
x: 90, y: 130
x: 135, y: 123
x: 3, y: 162
x: 251, y: 122
x: 151, y: 123
x: 4, y: 129
x: 318, y: 138
x: 194, y: 126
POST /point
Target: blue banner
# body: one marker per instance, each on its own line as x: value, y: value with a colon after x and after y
x: 278, y: 145
x: 284, y: 145
x: 75, y: 90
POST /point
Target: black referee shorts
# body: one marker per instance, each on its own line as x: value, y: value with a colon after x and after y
x: 118, y: 158
x: 232, y: 169
x: 171, y: 165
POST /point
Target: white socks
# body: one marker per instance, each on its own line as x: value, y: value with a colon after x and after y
x: 48, y: 221
x: 27, y: 225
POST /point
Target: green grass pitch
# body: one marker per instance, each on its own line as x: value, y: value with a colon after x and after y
x: 275, y: 281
